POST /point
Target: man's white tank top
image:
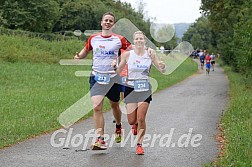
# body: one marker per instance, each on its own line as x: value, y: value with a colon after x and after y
x: 138, y: 67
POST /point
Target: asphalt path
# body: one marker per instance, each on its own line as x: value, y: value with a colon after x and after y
x: 181, y: 127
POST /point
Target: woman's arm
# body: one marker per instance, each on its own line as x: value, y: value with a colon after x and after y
x: 160, y: 65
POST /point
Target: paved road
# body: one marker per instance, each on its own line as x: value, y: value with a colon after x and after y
x: 181, y: 124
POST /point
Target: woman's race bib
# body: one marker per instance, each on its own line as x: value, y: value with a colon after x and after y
x: 141, y: 85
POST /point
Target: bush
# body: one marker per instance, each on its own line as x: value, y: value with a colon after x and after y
x: 46, y: 36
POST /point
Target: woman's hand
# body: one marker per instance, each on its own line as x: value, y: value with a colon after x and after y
x: 161, y: 66
x: 151, y: 51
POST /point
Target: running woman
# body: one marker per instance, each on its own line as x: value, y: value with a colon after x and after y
x: 138, y: 89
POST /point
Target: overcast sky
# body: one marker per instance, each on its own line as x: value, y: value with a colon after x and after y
x: 171, y: 11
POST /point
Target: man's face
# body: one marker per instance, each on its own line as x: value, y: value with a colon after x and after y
x: 107, y: 22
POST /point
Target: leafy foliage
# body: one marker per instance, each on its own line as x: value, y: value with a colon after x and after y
x: 200, y: 34
x: 226, y: 28
x: 66, y: 15
x: 231, y: 20
x: 32, y: 15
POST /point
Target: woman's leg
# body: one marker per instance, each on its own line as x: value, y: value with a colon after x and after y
x: 141, y: 116
x: 132, y: 113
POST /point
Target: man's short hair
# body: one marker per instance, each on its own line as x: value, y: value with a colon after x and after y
x: 109, y: 13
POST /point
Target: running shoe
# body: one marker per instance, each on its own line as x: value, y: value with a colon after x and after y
x: 99, y: 145
x: 118, y: 135
x: 134, y: 129
x: 139, y: 150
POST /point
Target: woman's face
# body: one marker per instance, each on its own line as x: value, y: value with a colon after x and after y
x: 107, y: 22
x: 139, y: 40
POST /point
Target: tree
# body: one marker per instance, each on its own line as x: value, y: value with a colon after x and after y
x: 231, y: 22
x: 31, y: 15
x: 196, y: 41
x: 200, y: 35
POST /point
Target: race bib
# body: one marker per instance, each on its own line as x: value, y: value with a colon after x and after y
x: 102, y: 78
x: 141, y: 85
x: 124, y: 80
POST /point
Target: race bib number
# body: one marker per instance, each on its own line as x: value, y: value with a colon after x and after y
x: 102, y: 78
x: 123, y: 80
x: 141, y: 85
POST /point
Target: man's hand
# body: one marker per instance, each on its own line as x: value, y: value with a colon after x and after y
x: 77, y: 56
x: 114, y: 64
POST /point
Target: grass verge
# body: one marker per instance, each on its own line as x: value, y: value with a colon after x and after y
x: 236, y: 124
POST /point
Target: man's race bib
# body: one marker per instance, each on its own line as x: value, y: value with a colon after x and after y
x: 141, y: 85
x: 124, y: 80
x: 102, y: 78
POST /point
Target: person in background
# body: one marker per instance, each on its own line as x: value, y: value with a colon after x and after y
x: 202, y: 59
x: 212, y: 60
x: 162, y: 49
x: 208, y: 63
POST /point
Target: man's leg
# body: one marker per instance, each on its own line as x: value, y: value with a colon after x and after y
x: 114, y: 97
x: 118, y: 115
x: 132, y: 116
x: 116, y: 111
x: 99, y: 122
x: 98, y: 115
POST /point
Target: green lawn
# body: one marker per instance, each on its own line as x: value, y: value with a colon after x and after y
x: 33, y: 95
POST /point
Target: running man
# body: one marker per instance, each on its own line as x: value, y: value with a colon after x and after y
x: 103, y: 80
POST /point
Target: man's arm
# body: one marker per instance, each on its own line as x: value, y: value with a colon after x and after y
x: 82, y: 54
x: 124, y: 59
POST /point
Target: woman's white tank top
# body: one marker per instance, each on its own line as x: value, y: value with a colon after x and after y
x: 138, y: 67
